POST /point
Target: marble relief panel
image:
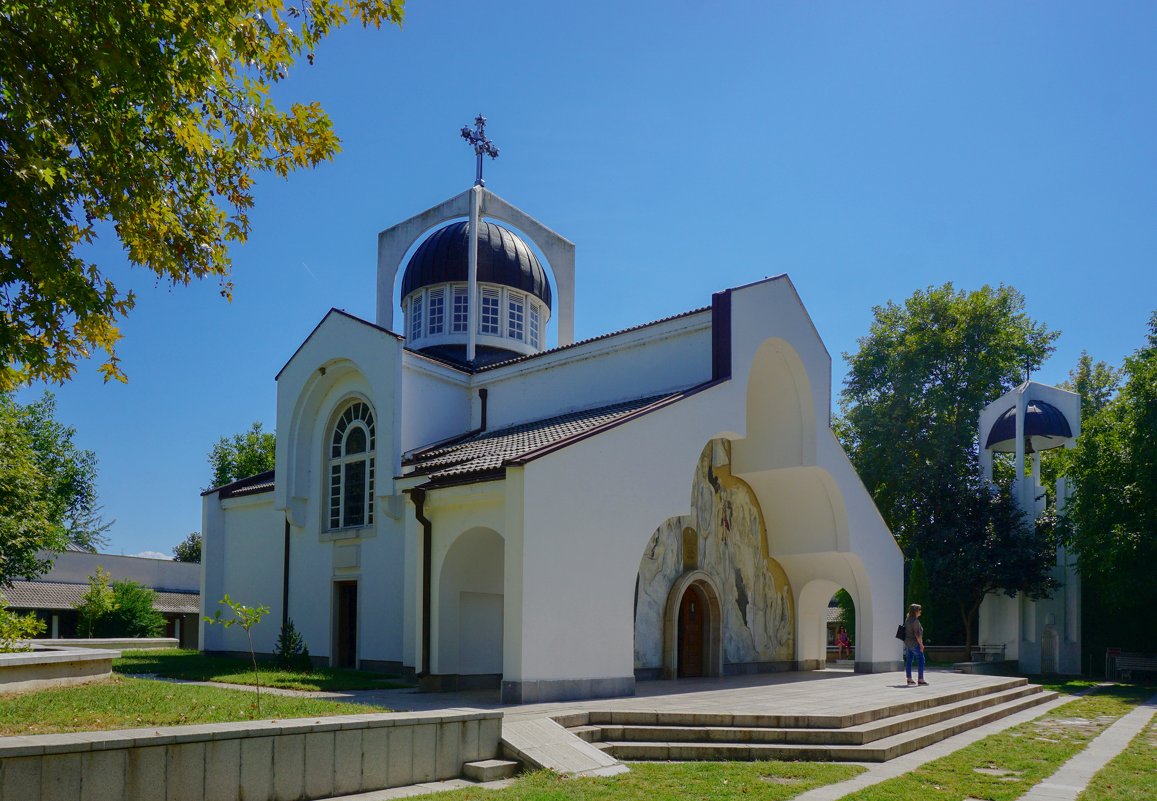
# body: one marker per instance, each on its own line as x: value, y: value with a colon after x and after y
x: 727, y: 527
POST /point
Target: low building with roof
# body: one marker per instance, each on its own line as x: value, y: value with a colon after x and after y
x: 54, y: 596
x: 457, y: 499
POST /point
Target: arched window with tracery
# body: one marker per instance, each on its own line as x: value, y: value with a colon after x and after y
x: 351, y: 468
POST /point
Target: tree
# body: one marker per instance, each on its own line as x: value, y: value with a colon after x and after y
x: 97, y: 602
x: 47, y: 489
x: 985, y: 544
x: 147, y: 121
x: 918, y: 591
x: 910, y: 407
x: 1095, y: 383
x: 188, y: 549
x: 242, y: 455
x: 1111, y: 520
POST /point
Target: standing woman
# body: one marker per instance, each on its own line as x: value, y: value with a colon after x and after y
x: 914, y: 644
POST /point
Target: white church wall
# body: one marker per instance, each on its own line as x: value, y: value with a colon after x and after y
x: 436, y: 402
x: 246, y: 542
x: 343, y: 355
x: 467, y: 556
x: 343, y: 360
x: 592, y: 507
x: 664, y: 357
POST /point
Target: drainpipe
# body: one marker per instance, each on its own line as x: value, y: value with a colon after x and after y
x: 285, y: 580
x: 483, y: 392
x: 418, y: 496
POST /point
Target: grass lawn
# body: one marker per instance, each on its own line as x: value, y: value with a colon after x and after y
x: 125, y: 703
x: 666, y: 781
x: 1004, y: 766
x: 1131, y: 775
x: 174, y: 663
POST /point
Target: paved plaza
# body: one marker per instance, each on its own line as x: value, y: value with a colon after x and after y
x: 824, y: 692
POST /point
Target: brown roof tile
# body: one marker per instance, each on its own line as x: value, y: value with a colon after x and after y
x: 489, y: 451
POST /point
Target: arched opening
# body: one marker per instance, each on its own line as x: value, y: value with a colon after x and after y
x: 691, y: 634
x: 693, y: 628
x: 841, y: 629
x: 469, y: 635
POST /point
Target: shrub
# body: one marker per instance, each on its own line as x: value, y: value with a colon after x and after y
x: 291, y: 650
x: 16, y: 629
x: 132, y: 613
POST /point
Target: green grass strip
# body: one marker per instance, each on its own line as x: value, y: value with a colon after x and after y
x: 1131, y: 775
x: 1003, y: 766
x: 174, y: 663
x: 666, y: 781
x: 124, y: 703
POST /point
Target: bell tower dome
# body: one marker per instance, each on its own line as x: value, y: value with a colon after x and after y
x: 513, y: 291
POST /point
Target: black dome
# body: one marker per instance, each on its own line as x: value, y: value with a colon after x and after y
x: 1044, y: 426
x: 503, y: 258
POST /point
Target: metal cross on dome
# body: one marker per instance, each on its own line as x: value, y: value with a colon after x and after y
x: 482, y: 145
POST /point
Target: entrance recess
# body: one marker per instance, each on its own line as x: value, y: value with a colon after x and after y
x: 693, y: 628
x: 346, y: 639
x: 692, y: 610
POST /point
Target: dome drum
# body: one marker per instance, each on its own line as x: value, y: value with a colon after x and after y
x: 513, y: 292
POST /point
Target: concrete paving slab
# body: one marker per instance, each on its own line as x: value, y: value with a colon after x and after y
x: 1074, y: 775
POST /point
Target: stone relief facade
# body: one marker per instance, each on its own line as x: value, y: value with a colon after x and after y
x: 724, y: 536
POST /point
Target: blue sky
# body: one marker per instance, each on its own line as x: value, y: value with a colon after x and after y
x: 866, y: 149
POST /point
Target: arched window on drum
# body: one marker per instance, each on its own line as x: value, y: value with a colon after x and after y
x: 351, y: 468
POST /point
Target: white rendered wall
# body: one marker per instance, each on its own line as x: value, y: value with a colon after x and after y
x: 593, y: 505
x: 436, y: 402
x: 242, y: 552
x: 658, y: 359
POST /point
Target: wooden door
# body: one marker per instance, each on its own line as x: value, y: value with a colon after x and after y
x: 692, y: 628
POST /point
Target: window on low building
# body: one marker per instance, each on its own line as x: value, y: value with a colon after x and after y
x: 351, y: 470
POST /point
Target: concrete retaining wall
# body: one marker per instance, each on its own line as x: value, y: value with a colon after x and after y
x: 120, y: 643
x: 289, y: 760
x: 52, y: 667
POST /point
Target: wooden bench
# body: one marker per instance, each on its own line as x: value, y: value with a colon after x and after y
x: 1127, y: 663
x: 988, y: 652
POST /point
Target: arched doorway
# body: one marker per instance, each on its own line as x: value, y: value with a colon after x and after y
x: 693, y: 628
x: 691, y: 634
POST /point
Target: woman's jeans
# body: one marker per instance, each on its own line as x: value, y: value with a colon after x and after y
x: 914, y: 655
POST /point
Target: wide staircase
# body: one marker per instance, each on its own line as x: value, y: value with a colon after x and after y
x: 875, y: 735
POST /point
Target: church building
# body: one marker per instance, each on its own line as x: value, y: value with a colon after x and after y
x: 457, y: 499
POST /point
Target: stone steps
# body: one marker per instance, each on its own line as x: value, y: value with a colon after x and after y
x: 904, y: 727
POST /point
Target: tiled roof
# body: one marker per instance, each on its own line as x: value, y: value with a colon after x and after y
x: 250, y: 485
x: 492, y: 450
x: 56, y: 595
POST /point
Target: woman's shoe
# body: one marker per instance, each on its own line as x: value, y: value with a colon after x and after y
x: 911, y: 683
x: 922, y: 683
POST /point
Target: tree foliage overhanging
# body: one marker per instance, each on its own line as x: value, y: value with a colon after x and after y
x: 910, y: 408
x: 47, y: 489
x: 149, y: 118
